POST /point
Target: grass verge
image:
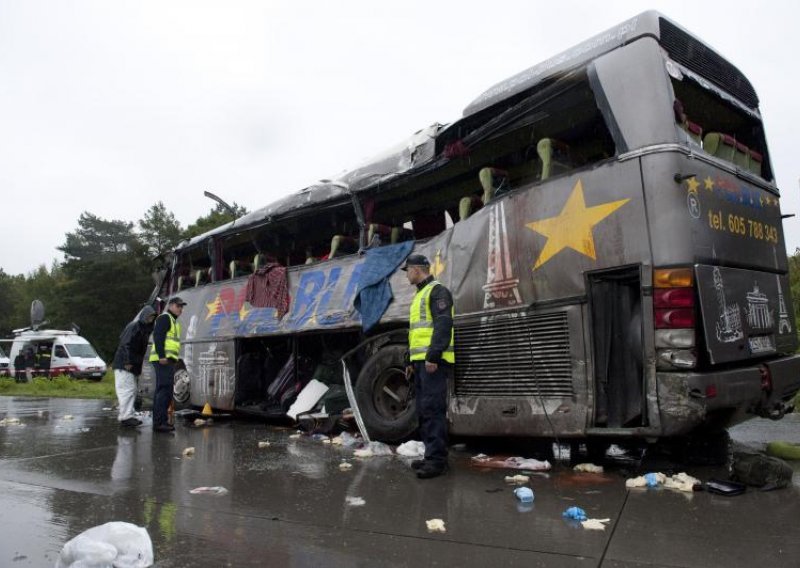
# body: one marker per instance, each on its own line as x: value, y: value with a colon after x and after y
x: 60, y: 387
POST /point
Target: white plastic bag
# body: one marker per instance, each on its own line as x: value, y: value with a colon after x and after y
x: 411, y: 449
x: 115, y: 544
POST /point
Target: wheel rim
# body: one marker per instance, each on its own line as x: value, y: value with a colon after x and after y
x: 391, y: 396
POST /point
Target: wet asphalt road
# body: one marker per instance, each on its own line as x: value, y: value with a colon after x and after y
x: 286, y: 504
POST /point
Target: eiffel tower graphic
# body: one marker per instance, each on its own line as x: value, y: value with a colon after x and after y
x: 783, y: 314
x: 501, y: 289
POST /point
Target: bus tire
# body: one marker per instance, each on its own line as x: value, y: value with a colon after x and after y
x: 385, y: 397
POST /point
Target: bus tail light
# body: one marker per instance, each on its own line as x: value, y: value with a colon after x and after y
x: 674, y: 318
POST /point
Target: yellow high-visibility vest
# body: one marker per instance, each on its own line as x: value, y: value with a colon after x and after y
x: 172, y: 342
x: 420, y: 326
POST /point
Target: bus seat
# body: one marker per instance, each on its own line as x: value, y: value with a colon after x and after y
x: 201, y: 276
x: 238, y: 268
x: 720, y: 145
x: 429, y: 225
x: 555, y: 157
x: 468, y: 205
x: 258, y: 261
x: 742, y: 156
x: 694, y: 130
x: 493, y: 180
x: 384, y: 232
x: 401, y: 235
x: 342, y: 245
x: 756, y: 160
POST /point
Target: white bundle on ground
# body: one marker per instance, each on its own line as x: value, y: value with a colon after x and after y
x: 411, y: 449
x: 118, y: 544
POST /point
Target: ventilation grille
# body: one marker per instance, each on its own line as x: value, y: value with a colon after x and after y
x: 689, y: 52
x: 514, y: 355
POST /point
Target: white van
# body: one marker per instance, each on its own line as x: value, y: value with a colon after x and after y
x: 55, y: 352
x: 4, y: 364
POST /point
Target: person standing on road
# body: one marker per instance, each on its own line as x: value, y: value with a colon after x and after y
x: 431, y: 359
x: 164, y: 356
x: 127, y: 363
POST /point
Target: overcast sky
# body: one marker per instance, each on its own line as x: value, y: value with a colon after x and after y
x: 109, y: 106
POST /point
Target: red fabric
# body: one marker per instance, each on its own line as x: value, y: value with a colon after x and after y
x: 268, y: 287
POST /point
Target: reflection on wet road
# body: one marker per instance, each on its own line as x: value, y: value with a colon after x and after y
x: 287, y: 504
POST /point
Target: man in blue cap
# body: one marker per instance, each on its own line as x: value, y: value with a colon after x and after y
x: 431, y: 359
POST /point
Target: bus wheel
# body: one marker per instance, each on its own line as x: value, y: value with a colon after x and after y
x: 181, y: 392
x: 385, y: 397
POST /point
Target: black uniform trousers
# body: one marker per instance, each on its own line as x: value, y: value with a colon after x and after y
x: 431, y: 398
x: 165, y: 381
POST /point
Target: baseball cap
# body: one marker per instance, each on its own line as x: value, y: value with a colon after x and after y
x: 177, y: 300
x: 416, y: 260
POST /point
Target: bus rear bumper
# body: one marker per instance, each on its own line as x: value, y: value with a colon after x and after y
x: 690, y: 400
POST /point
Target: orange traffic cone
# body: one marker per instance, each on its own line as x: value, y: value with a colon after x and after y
x: 207, y: 410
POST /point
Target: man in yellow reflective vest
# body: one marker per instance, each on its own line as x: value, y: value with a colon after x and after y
x: 431, y: 358
x: 164, y: 356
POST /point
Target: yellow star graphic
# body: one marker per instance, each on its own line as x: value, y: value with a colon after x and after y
x: 693, y: 184
x: 243, y: 311
x: 572, y: 228
x: 438, y: 266
x: 214, y: 307
x: 709, y: 183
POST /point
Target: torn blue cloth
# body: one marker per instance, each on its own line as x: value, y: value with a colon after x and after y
x: 373, y: 291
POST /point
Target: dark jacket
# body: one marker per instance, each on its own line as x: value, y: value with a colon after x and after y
x: 133, y: 342
x: 441, y: 303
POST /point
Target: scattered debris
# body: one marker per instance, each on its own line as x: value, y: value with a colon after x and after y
x: 344, y: 466
x: 524, y: 494
x: 518, y: 479
x: 616, y: 451
x: 294, y: 436
x: 215, y: 490
x: 681, y: 481
x: 67, y: 417
x: 263, y: 444
x: 106, y: 408
x: 307, y: 398
x: 588, y: 468
x: 9, y: 422
x: 511, y: 463
x: 201, y: 422
x: 355, y: 501
x: 595, y: 524
x: 373, y: 449
x: 411, y: 449
x: 117, y: 543
x: 337, y: 441
x: 574, y: 513
x: 188, y: 452
x: 436, y: 525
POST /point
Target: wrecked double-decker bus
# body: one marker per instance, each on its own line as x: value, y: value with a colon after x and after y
x: 607, y: 221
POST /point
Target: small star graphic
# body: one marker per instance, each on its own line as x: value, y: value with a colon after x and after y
x: 709, y: 183
x: 438, y: 266
x: 214, y: 307
x: 693, y: 184
x: 572, y: 228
